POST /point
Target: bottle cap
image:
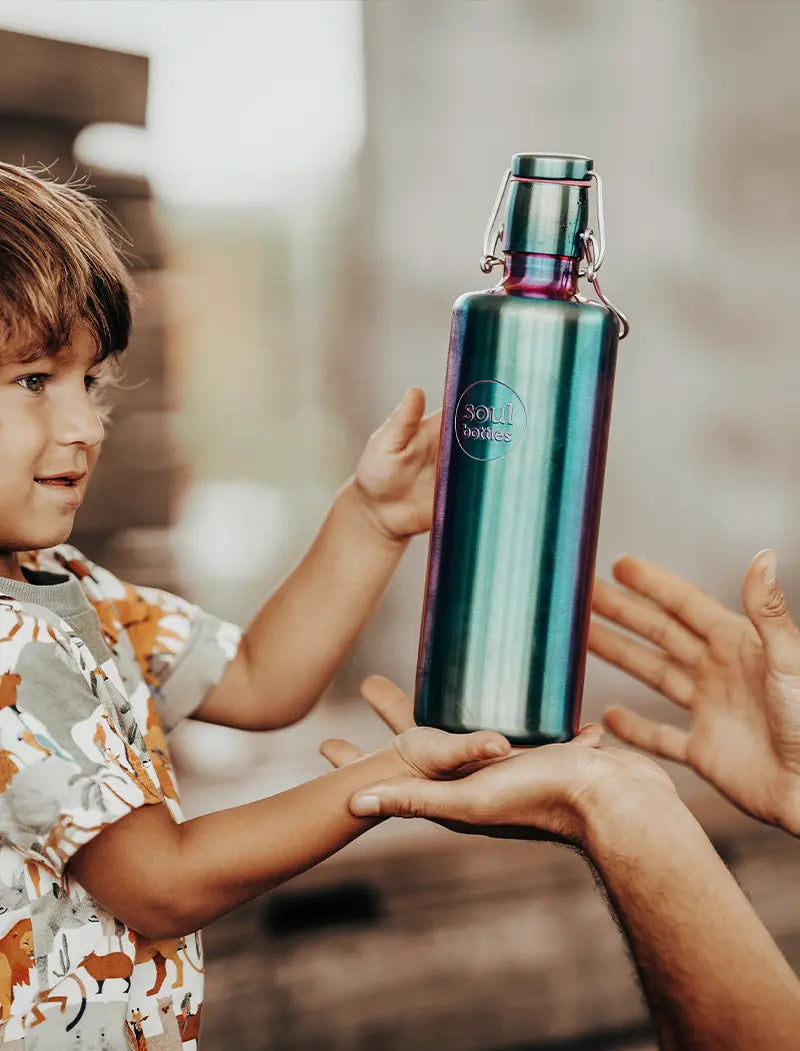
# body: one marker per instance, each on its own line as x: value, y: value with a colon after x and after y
x: 548, y: 204
x: 551, y: 166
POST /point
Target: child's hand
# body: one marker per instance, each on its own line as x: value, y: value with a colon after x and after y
x: 739, y: 677
x: 434, y: 755
x: 396, y: 474
x: 550, y: 791
x: 425, y: 752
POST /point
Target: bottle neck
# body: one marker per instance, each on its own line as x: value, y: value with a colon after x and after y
x: 540, y: 276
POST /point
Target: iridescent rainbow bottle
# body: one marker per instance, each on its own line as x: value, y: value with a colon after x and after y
x: 524, y: 431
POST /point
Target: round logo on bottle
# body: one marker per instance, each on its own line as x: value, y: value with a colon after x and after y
x: 490, y: 420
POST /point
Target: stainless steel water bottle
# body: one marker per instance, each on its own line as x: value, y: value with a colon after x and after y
x: 524, y: 432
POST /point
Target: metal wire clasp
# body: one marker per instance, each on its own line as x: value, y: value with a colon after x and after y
x: 590, y: 273
x: 593, y: 253
x: 489, y: 260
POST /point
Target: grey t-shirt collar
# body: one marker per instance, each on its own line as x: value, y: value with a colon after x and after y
x: 61, y: 594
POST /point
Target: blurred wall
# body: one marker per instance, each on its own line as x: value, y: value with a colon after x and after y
x: 687, y: 110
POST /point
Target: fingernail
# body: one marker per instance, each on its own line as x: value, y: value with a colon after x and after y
x: 365, y: 806
x: 770, y: 569
x: 495, y: 748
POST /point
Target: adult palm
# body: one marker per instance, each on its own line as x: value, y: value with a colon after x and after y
x: 547, y: 792
x: 737, y: 675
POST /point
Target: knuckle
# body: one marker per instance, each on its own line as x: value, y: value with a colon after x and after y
x: 659, y: 633
x: 657, y: 736
x: 410, y: 806
x: 661, y: 673
x: 683, y: 608
x: 776, y: 606
x: 610, y: 644
x: 661, y: 738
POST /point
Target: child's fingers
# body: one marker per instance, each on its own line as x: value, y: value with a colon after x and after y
x: 339, y: 752
x: 448, y: 753
x: 663, y: 739
x: 391, y: 704
x: 430, y: 430
x: 432, y: 422
x: 404, y: 422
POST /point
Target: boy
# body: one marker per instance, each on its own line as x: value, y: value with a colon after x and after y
x: 102, y: 885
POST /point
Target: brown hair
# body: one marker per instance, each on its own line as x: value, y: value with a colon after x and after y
x: 60, y: 264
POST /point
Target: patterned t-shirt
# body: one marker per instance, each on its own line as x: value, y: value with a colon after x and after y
x: 93, y: 672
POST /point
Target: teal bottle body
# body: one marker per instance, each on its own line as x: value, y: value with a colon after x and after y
x: 525, y: 424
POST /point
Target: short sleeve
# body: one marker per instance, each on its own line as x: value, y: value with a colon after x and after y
x: 66, y: 772
x: 181, y: 649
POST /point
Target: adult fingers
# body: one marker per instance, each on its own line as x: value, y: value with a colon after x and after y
x: 767, y: 608
x: 662, y: 739
x: 411, y: 797
x: 339, y: 752
x: 589, y: 735
x: 685, y: 600
x: 392, y: 705
x: 652, y: 667
x: 647, y: 620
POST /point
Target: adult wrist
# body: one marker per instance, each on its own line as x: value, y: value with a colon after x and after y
x: 787, y: 814
x: 618, y: 811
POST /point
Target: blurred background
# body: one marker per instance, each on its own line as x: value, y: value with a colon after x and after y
x: 305, y: 185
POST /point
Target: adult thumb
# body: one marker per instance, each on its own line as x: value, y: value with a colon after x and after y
x: 407, y: 797
x: 767, y: 608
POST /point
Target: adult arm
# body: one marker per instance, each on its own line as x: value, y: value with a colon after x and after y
x: 713, y: 976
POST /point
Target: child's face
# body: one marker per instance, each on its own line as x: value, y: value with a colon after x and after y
x: 50, y: 438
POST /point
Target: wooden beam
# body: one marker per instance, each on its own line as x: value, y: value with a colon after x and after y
x: 62, y: 80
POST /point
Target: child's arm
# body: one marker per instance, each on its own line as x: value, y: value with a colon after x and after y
x: 304, y: 631
x: 166, y: 880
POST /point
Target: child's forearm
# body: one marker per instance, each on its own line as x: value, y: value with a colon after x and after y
x: 306, y: 628
x: 166, y: 880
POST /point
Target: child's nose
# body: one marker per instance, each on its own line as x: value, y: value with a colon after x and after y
x: 79, y: 423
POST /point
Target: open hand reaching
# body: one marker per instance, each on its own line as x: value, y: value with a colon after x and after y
x: 738, y: 677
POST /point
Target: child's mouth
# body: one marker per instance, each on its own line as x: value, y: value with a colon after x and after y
x: 66, y: 482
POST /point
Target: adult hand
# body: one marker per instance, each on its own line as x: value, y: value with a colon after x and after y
x: 738, y: 677
x: 548, y: 791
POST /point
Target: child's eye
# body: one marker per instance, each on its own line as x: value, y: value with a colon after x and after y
x: 91, y: 381
x: 35, y: 383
